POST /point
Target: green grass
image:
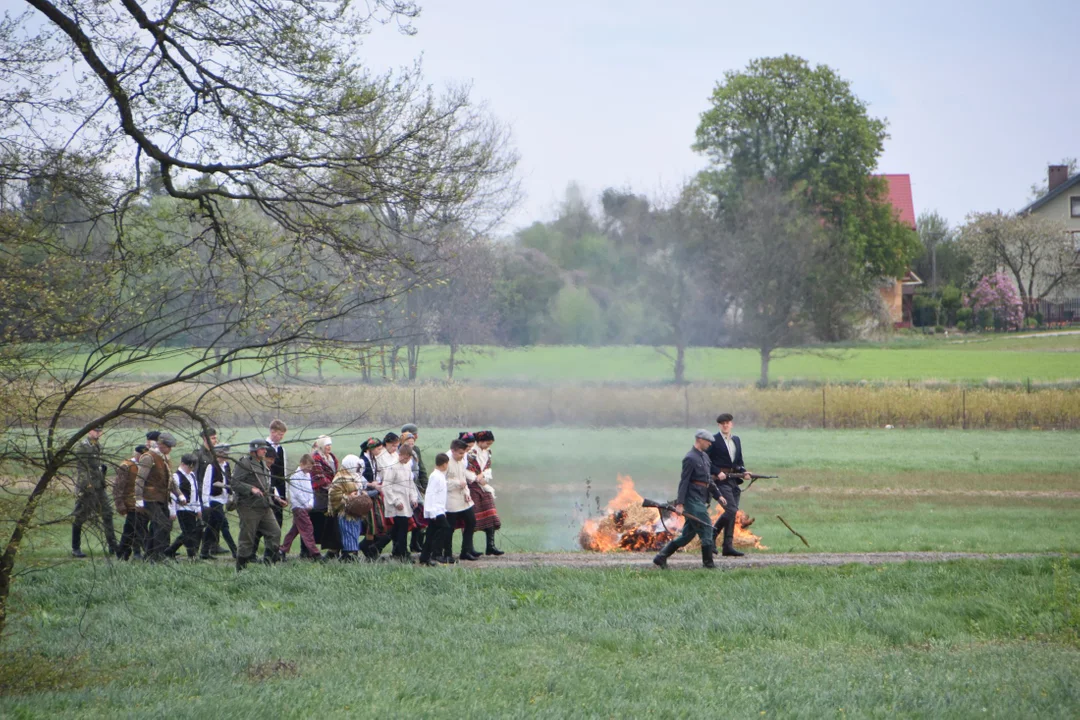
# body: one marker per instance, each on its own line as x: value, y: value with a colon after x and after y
x: 973, y: 358
x: 845, y: 490
x: 993, y: 639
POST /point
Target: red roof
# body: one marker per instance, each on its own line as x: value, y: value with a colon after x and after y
x: 900, y: 197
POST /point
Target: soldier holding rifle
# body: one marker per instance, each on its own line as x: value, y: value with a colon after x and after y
x: 727, y: 461
x: 693, y: 502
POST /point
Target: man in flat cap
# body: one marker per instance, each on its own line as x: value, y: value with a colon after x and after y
x: 91, y: 503
x: 693, y: 502
x: 255, y: 502
x: 153, y: 486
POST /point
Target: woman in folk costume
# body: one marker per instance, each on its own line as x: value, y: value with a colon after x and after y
x: 478, y: 473
x: 323, y: 526
x: 459, y: 504
x: 348, y: 482
x: 376, y: 532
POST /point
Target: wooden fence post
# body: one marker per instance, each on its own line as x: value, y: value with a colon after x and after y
x: 414, y: 405
x: 963, y: 406
x: 822, y: 407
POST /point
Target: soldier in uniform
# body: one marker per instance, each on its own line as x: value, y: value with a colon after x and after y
x: 91, y: 502
x: 693, y: 502
x: 726, y: 455
x: 255, y: 501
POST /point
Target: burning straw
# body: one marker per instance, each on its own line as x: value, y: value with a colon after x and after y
x: 630, y: 526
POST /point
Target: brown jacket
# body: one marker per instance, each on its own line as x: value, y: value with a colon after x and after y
x: 155, y: 482
x: 124, y: 486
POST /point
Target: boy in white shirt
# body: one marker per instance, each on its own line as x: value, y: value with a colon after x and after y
x: 187, y: 509
x: 435, y: 512
x: 301, y: 501
x: 401, y: 498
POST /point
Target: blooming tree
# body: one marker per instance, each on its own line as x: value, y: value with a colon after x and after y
x: 997, y: 293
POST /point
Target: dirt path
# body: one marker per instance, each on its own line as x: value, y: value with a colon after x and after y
x: 826, y: 490
x: 642, y: 561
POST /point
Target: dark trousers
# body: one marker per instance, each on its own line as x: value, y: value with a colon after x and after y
x: 697, y: 524
x: 279, y: 513
x: 91, y: 506
x: 160, y: 528
x: 318, y: 518
x: 726, y: 522
x: 438, y: 530
x: 400, y: 536
x: 217, y: 524
x: 469, y: 518
x: 134, y: 535
x: 189, y: 534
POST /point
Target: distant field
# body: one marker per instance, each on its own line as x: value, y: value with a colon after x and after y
x: 975, y: 358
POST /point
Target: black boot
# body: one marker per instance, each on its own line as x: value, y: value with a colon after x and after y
x: 491, y: 549
x: 706, y: 557
x: 729, y: 551
x: 660, y: 560
x: 76, y: 542
x: 241, y: 562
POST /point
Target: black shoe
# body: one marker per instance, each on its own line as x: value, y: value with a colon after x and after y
x: 469, y: 556
x: 204, y: 556
x: 707, y: 558
x: 221, y: 551
x: 492, y: 550
x: 76, y: 553
x: 447, y: 560
x: 660, y: 561
x: 731, y: 552
x: 430, y: 562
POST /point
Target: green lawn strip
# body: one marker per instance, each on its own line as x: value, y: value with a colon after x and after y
x: 297, y: 640
x: 975, y: 359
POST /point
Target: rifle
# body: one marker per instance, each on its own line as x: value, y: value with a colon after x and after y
x: 646, y: 502
x: 753, y: 476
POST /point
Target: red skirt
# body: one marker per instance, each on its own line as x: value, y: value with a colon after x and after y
x: 487, y: 518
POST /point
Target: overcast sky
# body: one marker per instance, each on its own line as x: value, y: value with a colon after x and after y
x: 979, y: 96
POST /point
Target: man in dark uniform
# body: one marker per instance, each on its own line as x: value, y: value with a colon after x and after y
x: 275, y: 456
x: 726, y: 456
x: 693, y: 502
x: 254, y: 502
x: 91, y: 503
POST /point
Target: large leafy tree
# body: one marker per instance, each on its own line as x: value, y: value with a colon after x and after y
x: 782, y: 121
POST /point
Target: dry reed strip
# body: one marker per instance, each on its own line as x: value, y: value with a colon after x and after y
x: 465, y: 405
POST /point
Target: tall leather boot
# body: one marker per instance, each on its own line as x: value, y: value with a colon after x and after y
x: 707, y: 557
x: 667, y: 551
x: 241, y: 562
x: 76, y: 542
x: 491, y: 549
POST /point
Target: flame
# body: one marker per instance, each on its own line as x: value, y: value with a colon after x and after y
x: 629, y: 526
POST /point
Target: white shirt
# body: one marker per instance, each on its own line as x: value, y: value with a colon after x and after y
x: 301, y: 496
x: 195, y: 503
x: 399, y: 489
x: 457, y: 490
x: 730, y: 446
x: 208, y: 482
x: 435, y: 497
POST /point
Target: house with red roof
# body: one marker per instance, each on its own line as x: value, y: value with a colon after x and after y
x: 899, y: 293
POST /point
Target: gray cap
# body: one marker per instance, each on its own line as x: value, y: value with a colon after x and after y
x: 703, y: 435
x: 166, y: 439
x: 409, y: 428
x: 256, y: 444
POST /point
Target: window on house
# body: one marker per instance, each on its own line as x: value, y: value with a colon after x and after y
x: 1075, y: 206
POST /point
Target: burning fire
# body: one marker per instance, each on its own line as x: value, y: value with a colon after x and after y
x: 629, y: 526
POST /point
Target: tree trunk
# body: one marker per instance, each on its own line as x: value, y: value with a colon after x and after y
x: 680, y: 361
x: 7, y: 562
x: 414, y: 360
x: 766, y: 355
x: 452, y: 363
x: 318, y: 367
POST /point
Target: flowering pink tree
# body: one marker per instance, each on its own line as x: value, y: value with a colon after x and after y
x: 997, y: 293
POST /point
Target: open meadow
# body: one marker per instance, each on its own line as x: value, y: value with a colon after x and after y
x: 973, y: 358
x: 126, y: 640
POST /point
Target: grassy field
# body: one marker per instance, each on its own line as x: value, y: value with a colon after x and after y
x: 973, y: 358
x: 987, y: 638
x: 846, y: 490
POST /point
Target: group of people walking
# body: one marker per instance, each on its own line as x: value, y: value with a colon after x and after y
x: 349, y: 509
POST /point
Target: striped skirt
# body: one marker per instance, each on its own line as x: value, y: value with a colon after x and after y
x: 487, y: 518
x: 350, y: 531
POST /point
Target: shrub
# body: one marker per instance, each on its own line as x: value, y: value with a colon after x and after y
x: 996, y: 294
x: 1031, y: 323
x: 961, y: 325
x: 964, y: 315
x: 939, y: 329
